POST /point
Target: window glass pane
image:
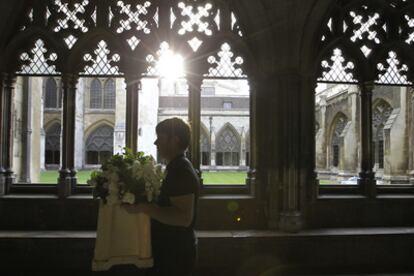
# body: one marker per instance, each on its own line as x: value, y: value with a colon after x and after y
x: 160, y: 99
x: 92, y: 157
x: 96, y: 94
x: 51, y: 94
x: 337, y: 134
x: 53, y: 144
x: 99, y: 132
x: 109, y: 94
x: 37, y: 130
x: 225, y: 126
x: 391, y: 134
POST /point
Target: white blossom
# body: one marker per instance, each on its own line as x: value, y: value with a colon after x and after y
x: 128, y: 198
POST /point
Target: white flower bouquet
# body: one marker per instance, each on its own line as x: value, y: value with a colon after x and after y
x: 127, y: 178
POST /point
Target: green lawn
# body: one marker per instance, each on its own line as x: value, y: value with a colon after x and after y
x: 327, y: 182
x: 50, y: 177
x: 211, y: 178
x: 229, y: 178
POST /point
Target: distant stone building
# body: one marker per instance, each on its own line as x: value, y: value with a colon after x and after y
x: 338, y: 147
x: 100, y: 121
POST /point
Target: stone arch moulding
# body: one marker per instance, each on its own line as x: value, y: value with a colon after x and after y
x: 51, y: 124
x: 25, y: 42
x: 91, y: 129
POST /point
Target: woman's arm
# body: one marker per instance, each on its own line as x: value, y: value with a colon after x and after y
x: 180, y: 213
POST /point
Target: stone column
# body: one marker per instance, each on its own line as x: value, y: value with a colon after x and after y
x: 396, y: 143
x: 2, y: 129
x: 194, y: 91
x: 213, y: 149
x: 320, y: 145
x: 366, y: 174
x: 411, y: 139
x: 410, y: 135
x: 26, y: 131
x: 7, y: 131
x: 268, y: 156
x: 133, y: 86
x: 67, y: 174
x: 79, y: 124
x: 120, y: 116
x: 351, y: 139
x: 291, y: 151
x: 242, y: 153
x: 40, y: 101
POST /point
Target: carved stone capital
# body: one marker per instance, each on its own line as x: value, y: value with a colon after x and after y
x: 69, y: 80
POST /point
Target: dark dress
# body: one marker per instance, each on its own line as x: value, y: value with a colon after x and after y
x: 175, y: 247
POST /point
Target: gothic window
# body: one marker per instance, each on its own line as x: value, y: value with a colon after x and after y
x: 99, y: 145
x: 52, y: 147
x: 102, y: 98
x: 337, y: 136
x: 53, y: 96
x: 381, y: 113
x: 204, y: 147
x: 109, y: 94
x: 365, y: 44
x: 96, y: 94
x: 228, y: 148
x: 133, y: 40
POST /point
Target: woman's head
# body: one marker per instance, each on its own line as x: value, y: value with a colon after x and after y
x: 173, y: 136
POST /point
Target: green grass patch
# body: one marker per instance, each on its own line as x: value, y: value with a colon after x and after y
x: 50, y: 177
x: 327, y: 182
x: 209, y: 178
x: 225, y: 178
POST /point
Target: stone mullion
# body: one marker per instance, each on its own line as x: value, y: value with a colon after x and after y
x: 350, y: 155
x: 26, y: 131
x: 2, y: 129
x: 194, y: 84
x: 251, y: 175
x: 308, y: 184
x: 291, y: 215
x: 67, y: 173
x: 366, y: 174
x: 39, y: 13
x: 7, y: 142
x: 164, y: 20
x: 411, y: 141
x: 132, y: 87
x: 225, y: 18
x: 102, y: 14
x: 321, y: 160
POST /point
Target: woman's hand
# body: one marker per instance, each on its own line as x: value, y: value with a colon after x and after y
x: 136, y: 208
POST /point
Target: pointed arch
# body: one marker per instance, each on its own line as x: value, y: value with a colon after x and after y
x: 336, y: 137
x: 380, y: 115
x: 228, y: 146
x: 95, y: 95
x: 109, y: 94
x: 52, y: 146
x: 99, y: 145
x: 52, y: 97
x: 19, y: 44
